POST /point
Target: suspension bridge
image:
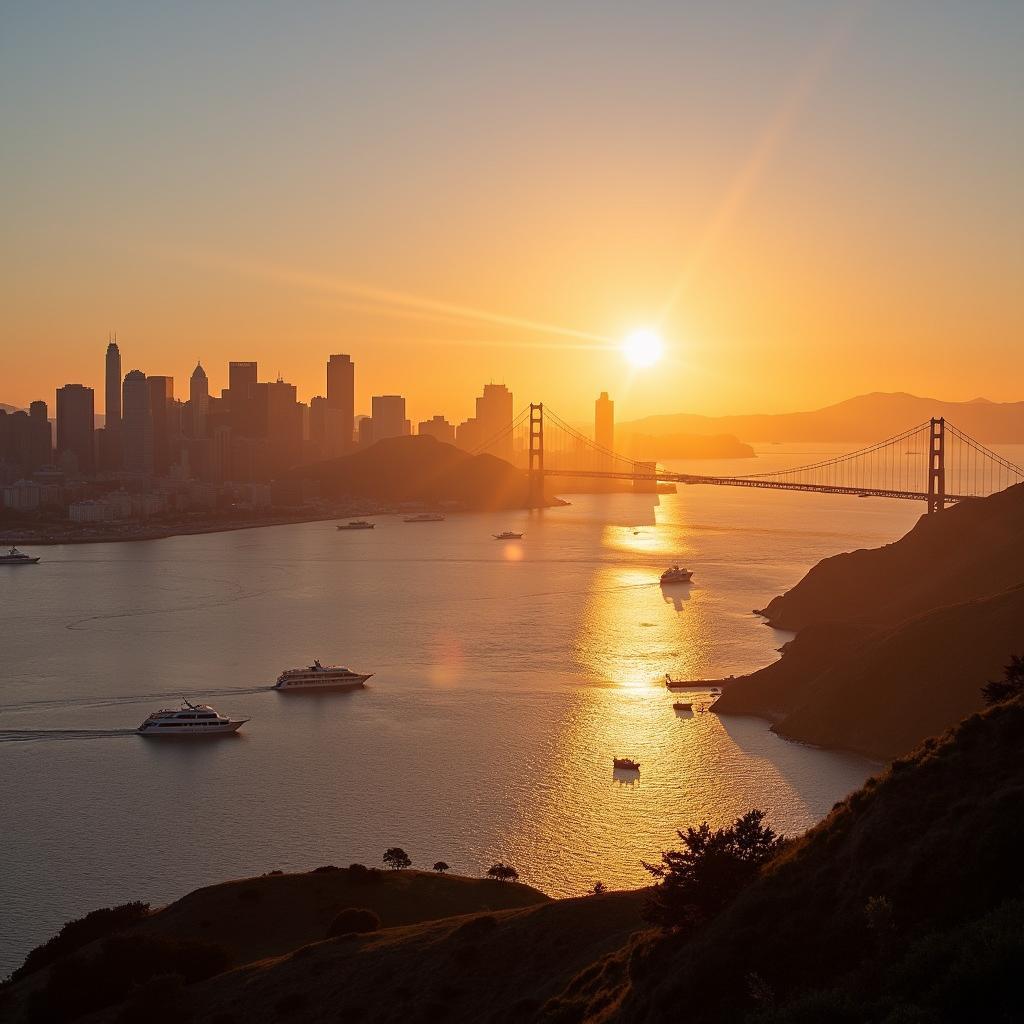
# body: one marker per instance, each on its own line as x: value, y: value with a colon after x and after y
x: 934, y: 462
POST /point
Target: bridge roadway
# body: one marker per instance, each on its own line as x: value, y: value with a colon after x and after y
x: 745, y: 481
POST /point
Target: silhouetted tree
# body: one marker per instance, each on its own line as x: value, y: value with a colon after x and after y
x: 396, y: 858
x: 440, y: 867
x: 503, y: 872
x: 697, y: 881
x: 599, y: 887
x: 1010, y: 686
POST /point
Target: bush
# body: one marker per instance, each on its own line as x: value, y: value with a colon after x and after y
x: 503, y: 872
x: 325, y: 868
x: 698, y: 881
x: 396, y: 858
x: 78, y: 933
x: 440, y: 867
x: 1010, y: 686
x: 353, y: 921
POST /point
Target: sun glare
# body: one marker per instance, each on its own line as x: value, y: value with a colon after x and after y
x: 643, y: 348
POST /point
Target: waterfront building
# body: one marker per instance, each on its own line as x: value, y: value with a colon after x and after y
x: 161, y: 402
x: 341, y: 395
x: 137, y: 424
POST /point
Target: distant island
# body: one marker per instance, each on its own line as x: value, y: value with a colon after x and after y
x: 864, y: 418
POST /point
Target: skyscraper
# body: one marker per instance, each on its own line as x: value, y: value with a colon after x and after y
x: 40, y: 436
x: 75, y: 424
x: 137, y: 425
x: 604, y: 422
x: 493, y: 418
x: 438, y: 427
x: 161, y: 398
x: 109, y: 439
x: 199, y: 400
x: 341, y: 399
x: 284, y: 426
x: 388, y: 414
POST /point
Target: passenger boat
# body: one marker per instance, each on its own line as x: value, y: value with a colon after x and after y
x: 626, y: 764
x: 426, y: 517
x: 320, y: 677
x: 508, y: 535
x: 682, y: 705
x: 16, y: 557
x: 675, y: 574
x: 357, y: 524
x: 190, y: 720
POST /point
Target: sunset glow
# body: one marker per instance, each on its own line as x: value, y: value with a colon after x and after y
x: 643, y: 348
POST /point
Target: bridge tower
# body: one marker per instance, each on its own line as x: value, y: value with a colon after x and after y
x: 937, y: 465
x: 535, y: 497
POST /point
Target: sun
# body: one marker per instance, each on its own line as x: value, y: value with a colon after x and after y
x: 643, y: 347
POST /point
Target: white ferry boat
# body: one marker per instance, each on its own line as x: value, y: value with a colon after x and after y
x: 676, y: 575
x: 357, y: 524
x: 320, y: 677
x: 426, y: 517
x: 16, y: 557
x: 189, y: 720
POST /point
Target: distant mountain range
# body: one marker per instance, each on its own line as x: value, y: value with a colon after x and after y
x: 864, y: 418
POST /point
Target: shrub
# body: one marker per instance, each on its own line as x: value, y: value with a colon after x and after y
x: 440, y: 867
x: 325, y: 868
x: 502, y: 872
x: 599, y: 887
x: 78, y: 933
x: 353, y: 921
x: 699, y: 880
x: 1011, y: 685
x: 396, y: 858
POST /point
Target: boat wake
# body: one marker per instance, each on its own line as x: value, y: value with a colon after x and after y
x: 30, y: 735
x: 135, y: 698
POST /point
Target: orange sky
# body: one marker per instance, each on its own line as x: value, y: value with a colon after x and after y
x: 812, y: 201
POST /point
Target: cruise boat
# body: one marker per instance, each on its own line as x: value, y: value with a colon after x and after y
x: 188, y: 721
x: 357, y: 524
x: 426, y: 517
x: 676, y: 575
x: 320, y: 677
x: 626, y: 764
x: 16, y: 557
x: 508, y: 535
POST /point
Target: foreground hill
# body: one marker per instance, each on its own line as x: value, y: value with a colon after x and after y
x: 864, y: 418
x: 905, y: 905
x: 420, y: 469
x: 895, y: 642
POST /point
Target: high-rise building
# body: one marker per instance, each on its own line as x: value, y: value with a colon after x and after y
x: 490, y: 425
x: 75, y: 425
x: 240, y: 376
x: 199, y: 400
x: 112, y: 388
x: 161, y: 399
x: 604, y: 422
x: 40, y: 437
x: 388, y: 414
x: 284, y: 426
x: 439, y: 428
x: 341, y: 398
x: 137, y: 424
x: 240, y: 395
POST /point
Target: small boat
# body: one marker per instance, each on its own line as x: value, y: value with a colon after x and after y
x: 320, y: 677
x: 190, y: 720
x: 508, y: 535
x: 692, y: 684
x: 682, y: 705
x: 675, y: 574
x: 426, y: 517
x: 16, y: 557
x: 626, y: 764
x: 356, y: 524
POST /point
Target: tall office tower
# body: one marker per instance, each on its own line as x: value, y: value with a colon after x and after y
x: 493, y: 416
x: 75, y: 425
x: 439, y: 428
x: 388, y: 414
x: 112, y: 388
x: 137, y: 424
x: 604, y: 422
x: 241, y: 382
x: 161, y: 398
x: 199, y: 400
x: 40, y: 436
x: 341, y: 398
x: 284, y: 426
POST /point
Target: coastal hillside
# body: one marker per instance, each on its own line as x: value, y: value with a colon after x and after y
x: 906, y: 904
x: 864, y: 418
x: 972, y: 549
x: 420, y: 469
x: 893, y: 643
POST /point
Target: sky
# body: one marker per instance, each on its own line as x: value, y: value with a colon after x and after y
x: 808, y: 200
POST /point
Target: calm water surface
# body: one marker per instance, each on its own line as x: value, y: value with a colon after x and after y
x: 507, y: 676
